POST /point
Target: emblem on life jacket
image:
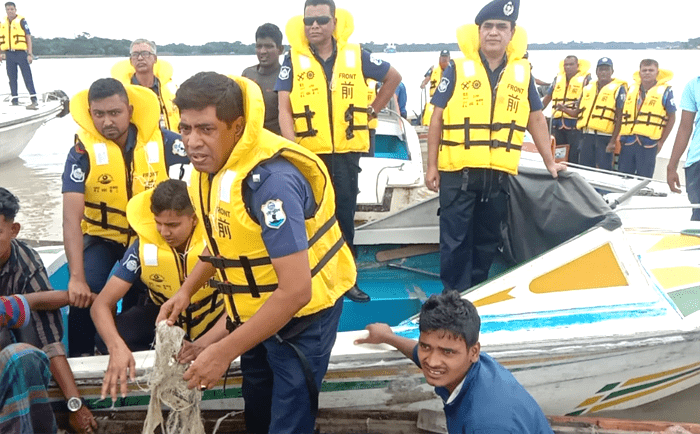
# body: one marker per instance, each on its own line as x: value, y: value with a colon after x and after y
x: 476, y: 84
x: 274, y: 214
x: 157, y: 278
x: 105, y: 179
x: 310, y: 75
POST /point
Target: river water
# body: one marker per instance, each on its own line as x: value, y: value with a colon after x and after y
x: 36, y: 176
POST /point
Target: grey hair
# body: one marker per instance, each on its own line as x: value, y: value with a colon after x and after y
x: 144, y: 41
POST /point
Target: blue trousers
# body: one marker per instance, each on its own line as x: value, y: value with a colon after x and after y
x: 274, y: 386
x: 14, y: 59
x: 692, y: 187
x: 472, y: 206
x: 572, y: 137
x: 636, y: 159
x: 99, y: 257
x: 593, y: 151
x: 344, y: 170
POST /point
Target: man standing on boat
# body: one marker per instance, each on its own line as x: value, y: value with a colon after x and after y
x: 16, y: 47
x: 565, y: 92
x: 143, y: 68
x: 600, y: 116
x: 647, y: 119
x: 322, y: 90
x: 120, y: 150
x: 477, y: 146
x: 22, y: 272
x: 433, y: 77
x: 690, y: 105
x: 268, y: 208
x: 479, y: 394
x: 268, y: 48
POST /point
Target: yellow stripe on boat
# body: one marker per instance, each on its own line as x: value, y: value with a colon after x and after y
x: 658, y: 375
x: 495, y: 298
x: 676, y: 241
x: 596, y: 269
x: 673, y: 277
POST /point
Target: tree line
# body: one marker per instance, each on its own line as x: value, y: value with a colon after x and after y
x: 85, y: 45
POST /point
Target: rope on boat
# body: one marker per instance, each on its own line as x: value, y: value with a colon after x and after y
x: 168, y: 387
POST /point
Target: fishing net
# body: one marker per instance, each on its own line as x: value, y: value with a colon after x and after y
x: 167, y: 387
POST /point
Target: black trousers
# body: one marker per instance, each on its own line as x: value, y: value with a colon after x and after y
x: 345, y: 171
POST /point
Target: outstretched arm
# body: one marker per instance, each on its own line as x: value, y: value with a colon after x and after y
x: 380, y: 333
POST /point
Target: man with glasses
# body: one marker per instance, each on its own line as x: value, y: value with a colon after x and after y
x: 323, y: 97
x: 143, y: 68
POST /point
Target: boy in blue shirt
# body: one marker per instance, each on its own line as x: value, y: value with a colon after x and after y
x: 479, y: 394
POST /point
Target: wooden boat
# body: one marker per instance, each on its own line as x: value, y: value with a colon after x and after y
x: 597, y: 314
x: 18, y: 125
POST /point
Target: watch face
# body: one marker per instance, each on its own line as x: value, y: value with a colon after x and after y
x: 74, y: 404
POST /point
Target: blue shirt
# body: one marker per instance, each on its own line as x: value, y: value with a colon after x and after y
x: 491, y: 401
x: 278, y: 185
x: 372, y: 67
x: 669, y: 105
x: 443, y: 94
x: 129, y: 267
x: 77, y: 166
x: 690, y: 102
x: 402, y: 98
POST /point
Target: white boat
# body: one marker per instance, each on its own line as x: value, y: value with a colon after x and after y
x: 606, y: 319
x: 18, y: 125
x: 393, y: 177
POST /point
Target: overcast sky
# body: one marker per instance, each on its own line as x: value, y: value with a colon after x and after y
x: 195, y: 22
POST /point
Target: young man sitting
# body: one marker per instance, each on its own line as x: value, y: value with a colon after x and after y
x: 480, y: 395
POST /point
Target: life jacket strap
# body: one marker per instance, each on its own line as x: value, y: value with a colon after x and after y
x: 308, y: 115
x: 350, y: 119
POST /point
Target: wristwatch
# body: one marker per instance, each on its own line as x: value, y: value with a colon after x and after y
x: 370, y: 112
x: 74, y: 404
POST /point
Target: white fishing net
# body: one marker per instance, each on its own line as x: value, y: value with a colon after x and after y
x: 167, y: 387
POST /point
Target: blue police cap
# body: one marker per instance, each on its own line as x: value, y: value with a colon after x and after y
x: 605, y: 61
x: 506, y: 10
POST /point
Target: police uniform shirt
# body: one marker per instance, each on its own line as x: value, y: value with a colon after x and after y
x: 129, y: 267
x: 277, y: 184
x: 444, y: 93
x: 372, y: 67
x: 77, y: 165
x: 156, y: 84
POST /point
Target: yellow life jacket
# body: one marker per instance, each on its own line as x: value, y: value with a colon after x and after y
x: 110, y: 184
x: 567, y: 93
x: 12, y: 35
x: 164, y: 270
x: 247, y: 277
x: 651, y: 118
x: 598, y: 108
x: 342, y: 127
x: 435, y: 76
x: 169, y: 115
x: 481, y: 130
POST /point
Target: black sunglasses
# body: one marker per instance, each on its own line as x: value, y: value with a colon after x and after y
x: 322, y: 20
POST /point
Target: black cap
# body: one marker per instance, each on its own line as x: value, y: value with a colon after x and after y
x: 445, y: 53
x: 506, y: 10
x: 605, y: 61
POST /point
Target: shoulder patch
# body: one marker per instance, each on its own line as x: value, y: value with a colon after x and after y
x: 274, y: 213
x: 442, y: 87
x: 132, y: 263
x: 179, y: 148
x: 376, y: 60
x: 284, y: 72
x: 77, y: 174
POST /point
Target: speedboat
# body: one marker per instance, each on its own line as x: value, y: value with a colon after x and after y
x: 18, y: 125
x: 588, y: 310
